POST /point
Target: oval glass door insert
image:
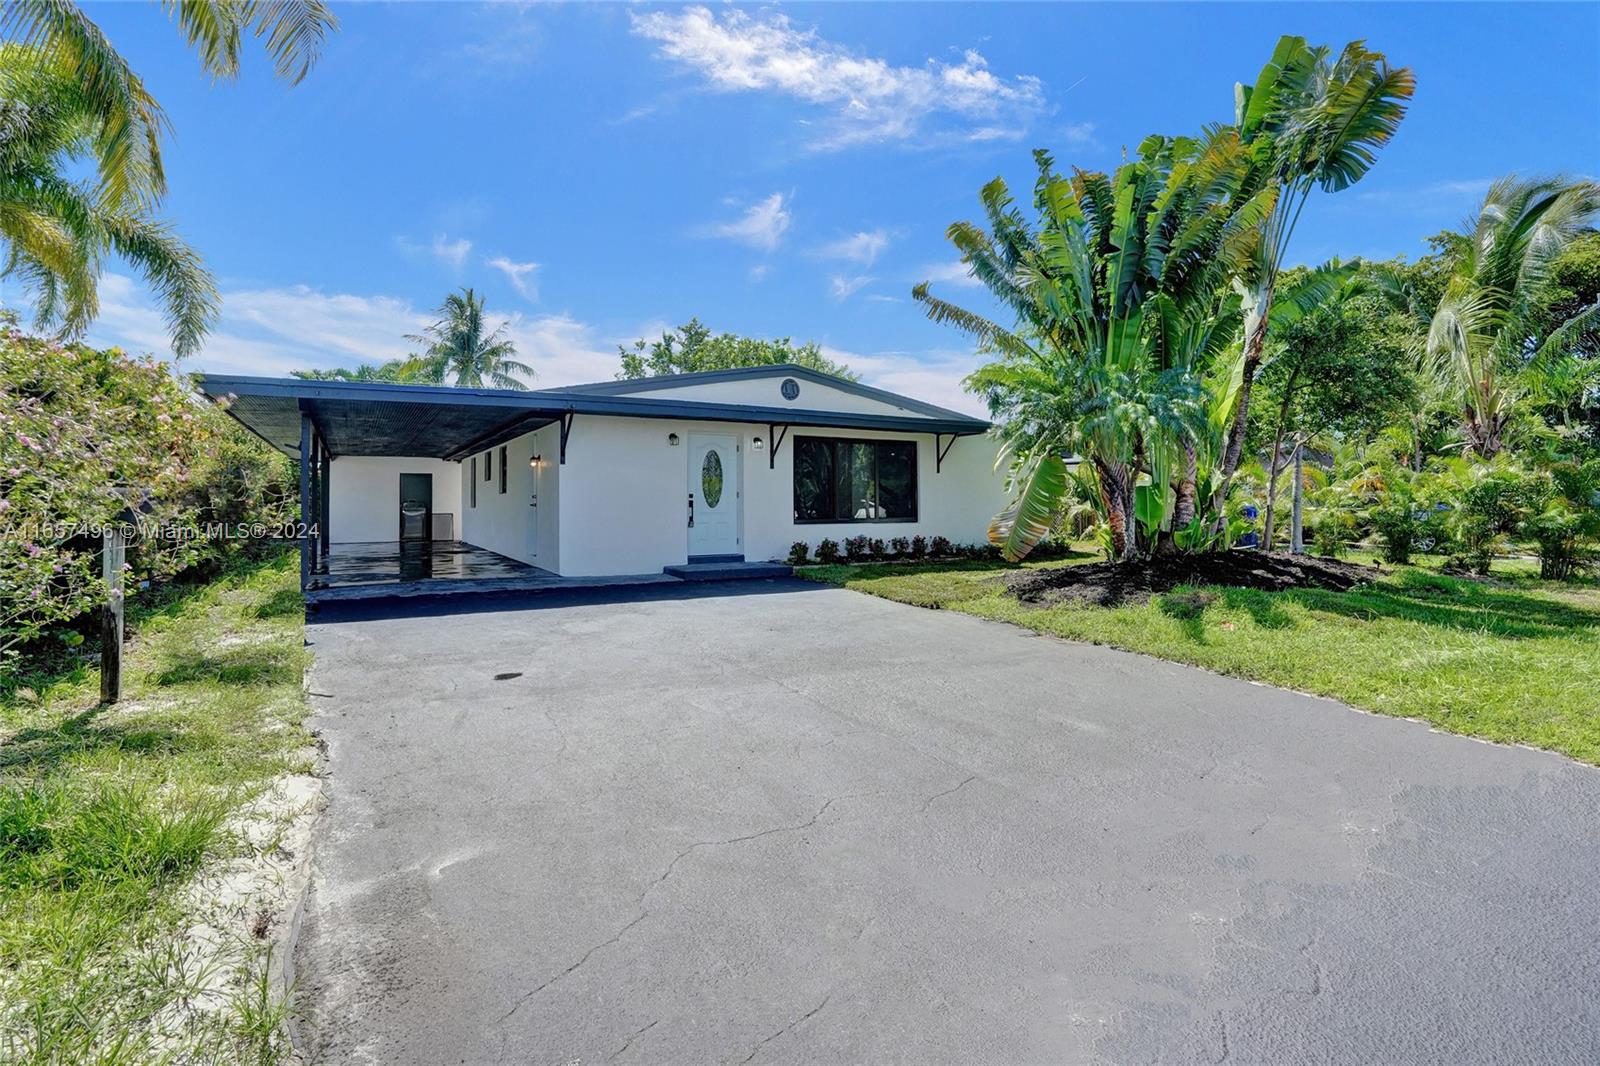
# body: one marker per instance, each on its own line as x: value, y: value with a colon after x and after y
x: 711, y: 478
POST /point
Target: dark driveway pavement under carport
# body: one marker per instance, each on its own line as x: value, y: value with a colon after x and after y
x: 776, y: 822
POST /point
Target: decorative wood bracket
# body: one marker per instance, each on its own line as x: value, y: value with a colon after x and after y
x: 776, y: 438
x: 941, y: 450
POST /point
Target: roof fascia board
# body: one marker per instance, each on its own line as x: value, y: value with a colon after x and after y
x: 711, y: 377
x: 556, y: 403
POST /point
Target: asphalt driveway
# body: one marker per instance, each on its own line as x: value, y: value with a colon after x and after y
x: 779, y: 822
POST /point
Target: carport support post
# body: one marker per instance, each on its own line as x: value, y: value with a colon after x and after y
x: 315, y: 518
x: 327, y: 500
x: 305, y: 499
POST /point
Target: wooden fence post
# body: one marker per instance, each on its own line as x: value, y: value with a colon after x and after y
x: 113, y: 552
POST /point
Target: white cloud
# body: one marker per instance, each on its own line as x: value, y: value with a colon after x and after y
x: 272, y: 331
x: 843, y: 288
x: 949, y: 274
x: 761, y: 226
x: 758, y: 273
x: 863, y: 247
x: 452, y: 253
x: 1453, y: 191
x: 866, y: 99
x: 934, y: 376
x: 520, y: 275
x: 1079, y: 133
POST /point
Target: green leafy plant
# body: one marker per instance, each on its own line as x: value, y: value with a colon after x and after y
x: 1332, y: 533
x: 1491, y: 500
x: 828, y: 551
x: 1564, y: 519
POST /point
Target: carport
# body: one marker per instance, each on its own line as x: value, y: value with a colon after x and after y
x: 315, y: 422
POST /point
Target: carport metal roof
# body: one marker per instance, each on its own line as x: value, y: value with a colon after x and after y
x: 378, y: 418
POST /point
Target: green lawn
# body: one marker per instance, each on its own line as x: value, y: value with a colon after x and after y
x: 1513, y: 659
x: 106, y: 814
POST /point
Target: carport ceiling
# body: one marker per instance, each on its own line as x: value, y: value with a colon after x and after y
x: 376, y: 427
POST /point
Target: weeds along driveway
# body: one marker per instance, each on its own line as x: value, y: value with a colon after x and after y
x: 779, y: 822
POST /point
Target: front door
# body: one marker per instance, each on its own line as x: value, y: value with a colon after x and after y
x: 416, y: 507
x: 713, y: 495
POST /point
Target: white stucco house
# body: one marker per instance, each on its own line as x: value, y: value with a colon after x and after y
x: 624, y: 477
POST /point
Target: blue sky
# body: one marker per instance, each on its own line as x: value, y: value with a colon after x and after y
x: 602, y: 171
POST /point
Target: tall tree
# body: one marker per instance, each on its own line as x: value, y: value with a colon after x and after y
x: 66, y: 95
x: 1486, y: 330
x: 462, y: 350
x: 693, y: 347
x: 1312, y: 121
x: 1344, y: 366
x: 1122, y: 311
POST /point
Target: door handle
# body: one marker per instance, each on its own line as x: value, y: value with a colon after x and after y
x: 691, y: 510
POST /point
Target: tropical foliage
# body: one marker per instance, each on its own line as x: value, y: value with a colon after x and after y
x: 693, y: 347
x: 67, y: 98
x: 1487, y: 325
x: 461, y: 349
x: 1160, y: 367
x: 91, y: 437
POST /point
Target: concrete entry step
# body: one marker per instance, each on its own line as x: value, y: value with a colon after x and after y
x: 727, y: 571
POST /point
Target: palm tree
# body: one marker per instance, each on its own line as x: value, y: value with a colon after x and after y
x: 1121, y: 309
x: 1312, y: 121
x: 58, y: 232
x: 67, y: 96
x: 459, y: 348
x: 1484, y: 332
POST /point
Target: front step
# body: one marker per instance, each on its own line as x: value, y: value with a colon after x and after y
x: 727, y: 571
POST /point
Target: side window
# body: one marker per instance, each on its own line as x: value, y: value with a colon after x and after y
x: 473, y: 481
x: 502, y: 469
x: 488, y: 465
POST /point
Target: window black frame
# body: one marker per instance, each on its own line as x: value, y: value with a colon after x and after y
x: 847, y: 442
x: 488, y: 466
x: 473, y: 481
x: 502, y: 469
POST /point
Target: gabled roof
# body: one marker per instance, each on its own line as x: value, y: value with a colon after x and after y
x: 380, y: 418
x: 777, y: 370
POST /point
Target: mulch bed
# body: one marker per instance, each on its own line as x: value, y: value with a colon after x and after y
x: 1115, y: 584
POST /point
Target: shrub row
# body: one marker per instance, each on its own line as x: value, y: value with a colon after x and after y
x: 864, y: 549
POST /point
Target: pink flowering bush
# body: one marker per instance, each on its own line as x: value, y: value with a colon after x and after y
x: 86, y: 433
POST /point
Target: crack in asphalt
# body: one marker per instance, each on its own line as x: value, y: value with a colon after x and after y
x: 636, y: 1034
x: 807, y: 824
x: 947, y: 792
x: 585, y: 958
x: 798, y: 1021
x: 618, y: 935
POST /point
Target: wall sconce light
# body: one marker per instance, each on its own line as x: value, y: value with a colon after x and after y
x: 672, y: 439
x: 535, y: 461
x: 756, y: 444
